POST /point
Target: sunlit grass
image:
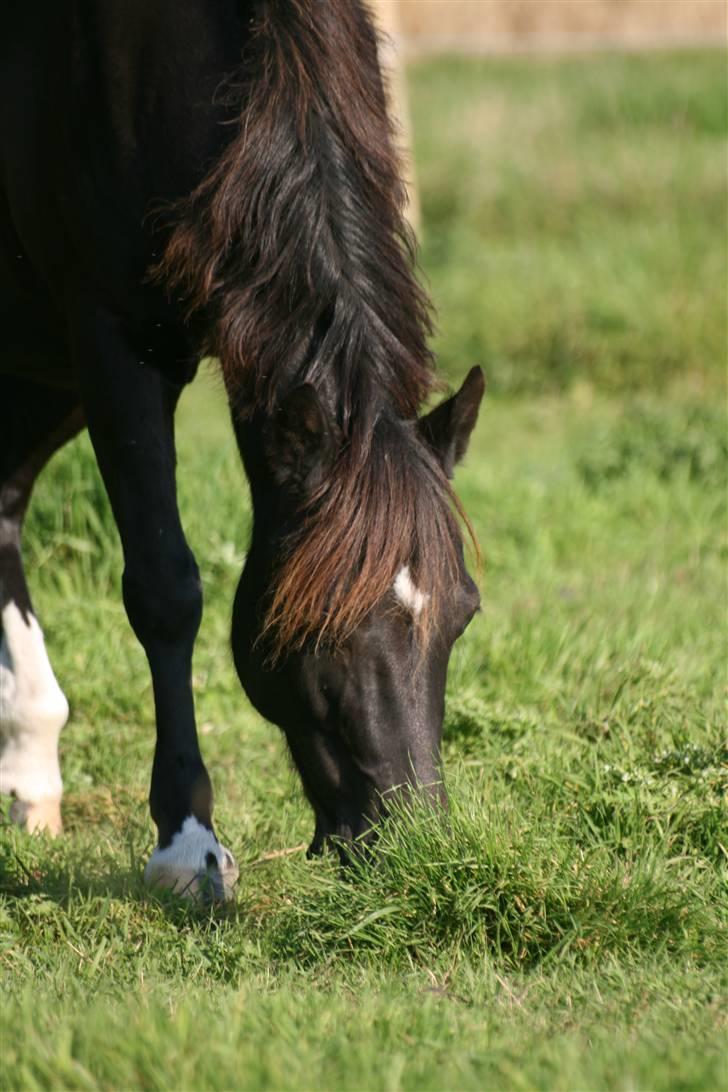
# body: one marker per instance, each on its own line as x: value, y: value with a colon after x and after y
x: 573, y: 214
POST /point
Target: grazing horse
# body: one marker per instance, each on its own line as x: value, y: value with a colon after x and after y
x: 218, y: 176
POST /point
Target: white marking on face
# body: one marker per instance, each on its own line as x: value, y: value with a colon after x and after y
x: 33, y: 710
x: 181, y: 864
x: 409, y: 596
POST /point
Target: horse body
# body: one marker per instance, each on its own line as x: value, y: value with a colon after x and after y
x: 110, y: 112
x: 146, y: 215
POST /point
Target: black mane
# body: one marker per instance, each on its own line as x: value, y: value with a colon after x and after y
x: 296, y: 245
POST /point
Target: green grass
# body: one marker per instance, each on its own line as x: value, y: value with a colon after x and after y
x: 574, y: 217
x: 566, y: 928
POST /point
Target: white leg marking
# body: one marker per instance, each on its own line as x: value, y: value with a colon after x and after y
x: 193, y: 857
x: 409, y: 596
x: 33, y: 710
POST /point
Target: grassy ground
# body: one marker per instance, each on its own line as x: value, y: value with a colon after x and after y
x: 574, y: 215
x: 567, y: 928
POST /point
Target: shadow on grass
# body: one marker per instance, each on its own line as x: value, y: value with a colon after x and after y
x: 41, y: 872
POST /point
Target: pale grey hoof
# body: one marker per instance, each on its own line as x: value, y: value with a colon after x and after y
x: 42, y: 817
x: 194, y: 865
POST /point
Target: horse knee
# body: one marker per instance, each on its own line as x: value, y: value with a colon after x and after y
x: 164, y: 600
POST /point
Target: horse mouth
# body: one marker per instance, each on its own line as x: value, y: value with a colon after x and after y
x: 346, y: 836
x: 352, y: 832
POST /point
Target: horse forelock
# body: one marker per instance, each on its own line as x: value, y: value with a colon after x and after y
x: 385, y: 508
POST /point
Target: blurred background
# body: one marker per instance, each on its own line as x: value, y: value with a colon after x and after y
x: 521, y: 24
x: 568, y: 184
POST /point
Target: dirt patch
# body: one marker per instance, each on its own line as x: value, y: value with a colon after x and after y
x: 518, y: 24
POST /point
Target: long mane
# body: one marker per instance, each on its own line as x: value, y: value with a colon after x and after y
x: 296, y: 251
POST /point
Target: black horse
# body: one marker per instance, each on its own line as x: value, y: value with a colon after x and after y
x: 218, y: 176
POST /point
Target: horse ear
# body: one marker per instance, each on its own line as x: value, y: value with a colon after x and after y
x: 301, y: 443
x: 447, y: 428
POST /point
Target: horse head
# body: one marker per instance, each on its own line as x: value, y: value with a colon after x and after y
x: 361, y: 704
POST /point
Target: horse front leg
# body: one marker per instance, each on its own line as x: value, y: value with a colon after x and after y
x: 130, y: 414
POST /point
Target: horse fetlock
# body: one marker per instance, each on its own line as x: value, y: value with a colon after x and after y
x: 194, y: 865
x: 37, y: 717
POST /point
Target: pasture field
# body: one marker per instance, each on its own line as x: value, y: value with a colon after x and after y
x: 566, y: 927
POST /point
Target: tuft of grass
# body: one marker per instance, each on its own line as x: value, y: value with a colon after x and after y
x: 483, y: 880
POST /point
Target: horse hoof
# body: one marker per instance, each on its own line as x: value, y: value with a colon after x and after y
x: 43, y: 817
x: 210, y: 884
x: 194, y: 865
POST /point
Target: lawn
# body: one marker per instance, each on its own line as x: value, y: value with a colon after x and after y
x: 566, y: 928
